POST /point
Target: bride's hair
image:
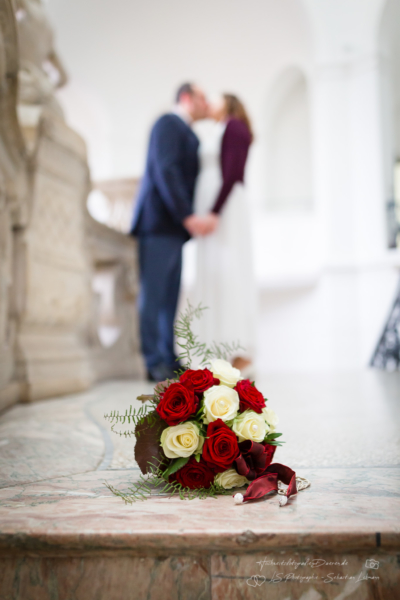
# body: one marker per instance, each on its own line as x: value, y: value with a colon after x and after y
x: 236, y: 109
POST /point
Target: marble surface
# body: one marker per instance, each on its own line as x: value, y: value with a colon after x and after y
x: 343, y: 510
x: 304, y: 576
x: 106, y: 578
x: 288, y: 576
x: 48, y: 439
x: 337, y: 420
x: 56, y: 513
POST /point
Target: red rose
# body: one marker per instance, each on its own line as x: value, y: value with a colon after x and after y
x: 194, y: 475
x: 220, y: 447
x: 201, y: 379
x: 249, y: 396
x: 178, y: 403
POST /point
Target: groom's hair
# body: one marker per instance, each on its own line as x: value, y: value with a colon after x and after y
x: 185, y: 88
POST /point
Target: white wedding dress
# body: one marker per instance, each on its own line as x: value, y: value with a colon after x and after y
x: 224, y: 270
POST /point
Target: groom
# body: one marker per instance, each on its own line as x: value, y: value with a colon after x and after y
x: 163, y: 222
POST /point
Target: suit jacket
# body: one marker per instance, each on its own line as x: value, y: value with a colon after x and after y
x: 166, y: 192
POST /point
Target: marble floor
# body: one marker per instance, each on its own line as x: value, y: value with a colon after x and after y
x: 64, y: 535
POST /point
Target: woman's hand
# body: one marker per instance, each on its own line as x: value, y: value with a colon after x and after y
x: 212, y: 221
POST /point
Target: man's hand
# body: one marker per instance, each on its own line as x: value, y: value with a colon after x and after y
x: 194, y: 225
x: 201, y: 226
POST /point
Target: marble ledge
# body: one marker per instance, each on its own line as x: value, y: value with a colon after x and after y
x: 191, y: 544
x: 78, y: 516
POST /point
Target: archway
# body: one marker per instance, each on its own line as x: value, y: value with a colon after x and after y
x: 288, y: 143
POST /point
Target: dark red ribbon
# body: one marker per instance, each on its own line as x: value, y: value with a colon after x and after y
x: 254, y: 463
x: 254, y: 458
x: 268, y: 482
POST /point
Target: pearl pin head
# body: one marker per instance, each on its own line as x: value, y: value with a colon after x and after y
x: 238, y: 498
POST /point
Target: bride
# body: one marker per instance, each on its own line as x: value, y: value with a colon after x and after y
x: 224, y: 279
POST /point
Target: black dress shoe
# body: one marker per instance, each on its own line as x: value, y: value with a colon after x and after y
x: 177, y: 368
x: 160, y: 373
x: 149, y: 376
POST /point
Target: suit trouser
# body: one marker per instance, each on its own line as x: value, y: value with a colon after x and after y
x: 160, y: 261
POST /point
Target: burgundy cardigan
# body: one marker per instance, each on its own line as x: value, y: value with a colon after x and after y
x: 234, y: 149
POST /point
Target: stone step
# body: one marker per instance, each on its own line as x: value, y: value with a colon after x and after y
x: 66, y: 536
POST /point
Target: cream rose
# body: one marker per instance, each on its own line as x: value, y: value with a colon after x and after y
x: 181, y: 440
x: 250, y: 426
x: 224, y: 371
x: 229, y: 479
x: 271, y: 418
x: 220, y: 402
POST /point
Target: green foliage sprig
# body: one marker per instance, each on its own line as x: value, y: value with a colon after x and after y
x: 156, y: 482
x: 134, y: 417
x: 270, y: 438
x: 190, y: 344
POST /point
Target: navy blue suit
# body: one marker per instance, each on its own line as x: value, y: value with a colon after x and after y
x: 165, y: 199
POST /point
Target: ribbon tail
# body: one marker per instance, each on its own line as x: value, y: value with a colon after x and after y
x: 268, y: 482
x: 286, y: 475
x: 261, y: 486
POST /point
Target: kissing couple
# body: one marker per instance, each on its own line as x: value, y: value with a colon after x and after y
x: 193, y: 186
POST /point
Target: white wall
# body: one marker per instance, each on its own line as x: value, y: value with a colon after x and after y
x: 86, y: 111
x: 333, y: 323
x: 133, y: 54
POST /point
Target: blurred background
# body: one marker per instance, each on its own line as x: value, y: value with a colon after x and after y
x: 321, y: 80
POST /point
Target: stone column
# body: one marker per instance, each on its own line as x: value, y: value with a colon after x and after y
x: 348, y: 155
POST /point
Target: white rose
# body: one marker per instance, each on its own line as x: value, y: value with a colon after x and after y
x: 229, y: 479
x: 220, y: 402
x: 271, y: 418
x: 250, y: 426
x: 223, y: 370
x: 181, y: 440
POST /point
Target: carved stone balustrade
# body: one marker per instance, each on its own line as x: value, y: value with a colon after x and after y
x: 113, y: 258
x: 118, y: 194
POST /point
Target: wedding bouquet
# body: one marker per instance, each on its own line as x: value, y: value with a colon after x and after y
x: 206, y: 432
